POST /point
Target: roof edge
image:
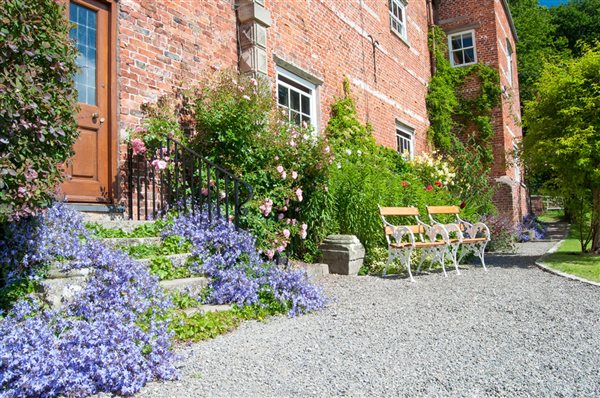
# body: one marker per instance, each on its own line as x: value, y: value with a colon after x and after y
x: 510, y: 19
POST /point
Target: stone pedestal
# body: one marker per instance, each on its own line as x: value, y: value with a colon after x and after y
x: 343, y: 253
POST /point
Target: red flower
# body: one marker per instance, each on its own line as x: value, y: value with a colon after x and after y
x: 404, y: 184
x: 462, y: 204
x: 439, y: 184
x: 429, y: 187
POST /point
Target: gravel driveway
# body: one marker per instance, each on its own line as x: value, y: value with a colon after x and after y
x: 511, y: 331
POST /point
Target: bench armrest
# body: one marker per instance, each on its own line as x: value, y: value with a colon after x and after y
x: 401, y: 231
x: 432, y: 232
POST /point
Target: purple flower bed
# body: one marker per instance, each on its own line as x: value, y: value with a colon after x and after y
x: 114, y: 337
x: 238, y: 274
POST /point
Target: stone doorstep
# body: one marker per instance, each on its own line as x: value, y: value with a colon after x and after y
x: 178, y: 285
x: 312, y: 270
x: 178, y: 260
x: 114, y: 242
x: 206, y: 308
x: 124, y: 225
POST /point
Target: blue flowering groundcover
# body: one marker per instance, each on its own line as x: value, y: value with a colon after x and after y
x: 115, y: 335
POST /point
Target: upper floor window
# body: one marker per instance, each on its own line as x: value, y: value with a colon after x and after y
x: 461, y: 48
x: 297, y: 97
x: 405, y: 140
x: 398, y: 17
x: 509, y: 61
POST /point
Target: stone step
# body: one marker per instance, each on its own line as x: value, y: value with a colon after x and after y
x: 114, y: 242
x: 178, y: 260
x: 124, y: 225
x: 312, y: 270
x: 193, y: 285
x: 206, y: 308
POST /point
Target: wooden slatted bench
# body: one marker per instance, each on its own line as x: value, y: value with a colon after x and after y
x: 472, y: 238
x: 432, y: 240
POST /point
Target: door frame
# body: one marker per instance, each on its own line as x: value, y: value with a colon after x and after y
x: 114, y: 185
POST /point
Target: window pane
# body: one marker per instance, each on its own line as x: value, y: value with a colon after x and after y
x: 294, y: 100
x: 282, y: 96
x: 458, y: 57
x: 469, y: 55
x: 305, y: 105
x: 295, y: 117
x: 84, y: 33
x: 456, y: 44
x: 467, y: 40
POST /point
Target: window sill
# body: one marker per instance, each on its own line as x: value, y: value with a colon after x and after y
x: 399, y: 36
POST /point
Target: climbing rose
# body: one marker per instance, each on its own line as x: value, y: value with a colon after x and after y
x: 138, y: 146
x: 286, y: 233
x: 159, y: 164
x: 294, y: 175
x: 299, y: 194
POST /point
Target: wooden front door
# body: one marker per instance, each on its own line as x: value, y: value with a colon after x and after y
x: 89, y: 171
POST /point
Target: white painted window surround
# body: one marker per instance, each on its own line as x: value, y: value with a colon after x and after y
x: 398, y: 20
x: 405, y: 139
x: 297, y: 96
x: 462, y: 49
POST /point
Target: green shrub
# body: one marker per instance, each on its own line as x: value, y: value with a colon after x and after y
x: 37, y: 104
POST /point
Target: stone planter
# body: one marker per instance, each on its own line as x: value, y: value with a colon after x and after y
x: 343, y: 253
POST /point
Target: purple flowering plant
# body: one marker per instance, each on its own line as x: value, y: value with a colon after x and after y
x: 113, y: 337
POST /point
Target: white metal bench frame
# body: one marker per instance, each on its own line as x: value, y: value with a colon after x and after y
x: 432, y: 240
x: 477, y: 235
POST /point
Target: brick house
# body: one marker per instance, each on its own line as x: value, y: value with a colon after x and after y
x: 134, y: 51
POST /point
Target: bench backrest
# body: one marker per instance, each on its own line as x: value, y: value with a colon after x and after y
x: 401, y: 212
x: 443, y: 210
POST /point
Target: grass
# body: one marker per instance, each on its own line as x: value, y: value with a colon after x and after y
x: 551, y: 216
x: 568, y: 258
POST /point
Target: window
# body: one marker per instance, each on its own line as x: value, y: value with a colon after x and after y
x: 404, y: 140
x: 398, y: 17
x: 461, y: 47
x: 509, y: 61
x: 297, y: 97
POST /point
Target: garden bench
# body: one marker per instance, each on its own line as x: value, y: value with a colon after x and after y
x: 432, y: 240
x: 472, y: 238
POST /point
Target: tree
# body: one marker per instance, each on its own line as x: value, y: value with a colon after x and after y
x: 577, y: 21
x: 563, y: 123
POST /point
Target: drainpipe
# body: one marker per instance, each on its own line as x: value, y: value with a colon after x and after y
x: 430, y: 25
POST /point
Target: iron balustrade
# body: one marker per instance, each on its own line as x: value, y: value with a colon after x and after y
x: 176, y: 177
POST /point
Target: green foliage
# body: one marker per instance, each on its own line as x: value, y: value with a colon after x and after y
x: 568, y: 258
x: 578, y: 21
x: 148, y: 230
x: 37, y: 104
x: 14, y: 291
x: 563, y: 137
x: 461, y: 127
x: 170, y: 245
x: 163, y: 267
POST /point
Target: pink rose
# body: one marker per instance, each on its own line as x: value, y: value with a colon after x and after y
x: 280, y: 216
x: 283, y: 175
x: 31, y: 175
x: 280, y: 249
x: 286, y: 233
x: 254, y: 82
x: 279, y: 169
x: 299, y: 194
x: 204, y: 191
x: 270, y: 254
x: 303, y: 234
x: 294, y: 221
x: 159, y: 164
x: 138, y: 146
x: 294, y: 175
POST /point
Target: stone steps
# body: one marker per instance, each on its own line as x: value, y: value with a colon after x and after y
x: 116, y: 242
x: 206, y: 308
x: 193, y: 285
x: 123, y: 225
x: 178, y: 260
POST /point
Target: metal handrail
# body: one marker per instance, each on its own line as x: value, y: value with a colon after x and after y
x: 189, y: 182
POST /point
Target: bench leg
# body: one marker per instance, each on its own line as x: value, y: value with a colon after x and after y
x: 453, y: 252
x: 480, y: 251
x: 404, y: 256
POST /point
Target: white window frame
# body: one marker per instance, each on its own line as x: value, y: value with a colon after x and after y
x: 400, y: 5
x: 451, y: 50
x: 310, y: 91
x: 509, y: 60
x: 405, y: 134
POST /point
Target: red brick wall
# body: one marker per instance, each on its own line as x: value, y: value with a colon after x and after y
x: 329, y: 39
x: 167, y: 43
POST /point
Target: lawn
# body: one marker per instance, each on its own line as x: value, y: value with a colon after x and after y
x: 551, y: 216
x: 568, y: 258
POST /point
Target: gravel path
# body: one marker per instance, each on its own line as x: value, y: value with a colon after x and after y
x: 511, y: 331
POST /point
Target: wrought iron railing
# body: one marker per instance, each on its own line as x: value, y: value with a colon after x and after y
x: 174, y: 176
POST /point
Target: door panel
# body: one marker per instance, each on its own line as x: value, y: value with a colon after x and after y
x: 89, y: 169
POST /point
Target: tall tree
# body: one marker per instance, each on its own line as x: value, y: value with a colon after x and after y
x: 563, y: 126
x: 577, y: 20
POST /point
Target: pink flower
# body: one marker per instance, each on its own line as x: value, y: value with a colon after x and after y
x: 294, y: 221
x: 21, y: 191
x: 270, y: 254
x: 284, y: 208
x: 138, y: 146
x: 266, y: 207
x: 292, y: 143
x: 429, y: 187
x: 283, y: 175
x: 404, y: 184
x: 299, y: 194
x: 304, y: 125
x: 222, y: 195
x: 304, y: 227
x: 280, y: 249
x: 241, y: 88
x: 204, y: 191
x: 276, y: 158
x: 31, y: 175
x: 280, y: 216
x: 280, y: 169
x: 247, y: 98
x: 294, y: 175
x: 288, y: 221
x: 211, y: 183
x: 303, y: 234
x: 286, y: 233
x: 254, y: 82
x: 159, y: 164
x: 327, y: 150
